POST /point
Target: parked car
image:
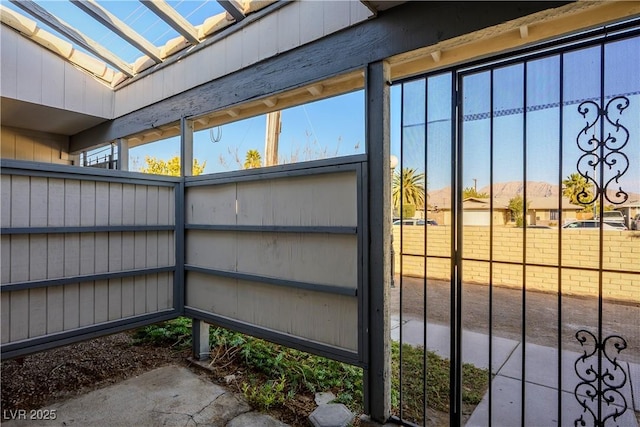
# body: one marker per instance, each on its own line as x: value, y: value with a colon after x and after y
x: 595, y: 224
x: 635, y: 222
x: 612, y: 216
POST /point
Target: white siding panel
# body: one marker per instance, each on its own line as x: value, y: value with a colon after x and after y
x: 37, y: 256
x: 87, y: 298
x: 336, y: 15
x: 19, y: 315
x: 315, y: 258
x: 19, y: 258
x: 53, y: 81
x: 115, y: 204
x: 216, y: 250
x: 127, y: 264
x: 5, y: 317
x: 321, y: 200
x: 37, y: 312
x: 311, y: 20
x: 250, y: 45
x: 127, y: 296
x: 164, y: 193
x: 93, y: 94
x: 268, y: 26
x: 72, y: 291
x: 289, y: 310
x: 233, y: 52
x: 211, y: 205
x: 128, y: 204
x: 8, y: 145
x: 217, y: 295
x: 288, y: 27
x: 102, y: 203
x: 215, y: 56
x: 139, y: 294
x: 87, y: 253
x: 39, y: 196
x: 5, y: 256
x: 72, y: 203
x: 74, y: 86
x: 88, y: 206
x: 152, y: 205
x: 157, y: 84
x: 5, y: 206
x: 9, y: 42
x: 30, y: 73
x: 24, y: 148
x: 55, y: 295
x: 56, y: 202
x: 359, y: 12
x: 101, y: 301
x: 20, y: 189
x: 115, y: 299
x: 141, y: 205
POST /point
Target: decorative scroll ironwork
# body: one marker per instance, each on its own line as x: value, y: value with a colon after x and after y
x: 602, y: 150
x: 602, y: 378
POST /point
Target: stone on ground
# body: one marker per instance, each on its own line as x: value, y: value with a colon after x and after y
x: 331, y: 415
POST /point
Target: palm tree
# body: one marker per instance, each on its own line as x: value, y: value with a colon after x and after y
x: 411, y: 184
x: 253, y: 159
x: 577, y: 189
x: 472, y: 192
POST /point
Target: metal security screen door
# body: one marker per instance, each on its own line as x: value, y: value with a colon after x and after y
x: 519, y: 270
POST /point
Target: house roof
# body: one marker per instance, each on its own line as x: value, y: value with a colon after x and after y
x: 502, y: 203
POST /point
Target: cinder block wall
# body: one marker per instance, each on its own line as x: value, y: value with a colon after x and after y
x: 579, y: 258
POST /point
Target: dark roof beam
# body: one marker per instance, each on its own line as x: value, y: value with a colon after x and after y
x: 176, y: 21
x: 233, y: 8
x: 77, y: 37
x: 112, y: 22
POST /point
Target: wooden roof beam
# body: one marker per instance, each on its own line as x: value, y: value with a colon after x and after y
x: 62, y: 27
x: 173, y: 19
x: 112, y: 22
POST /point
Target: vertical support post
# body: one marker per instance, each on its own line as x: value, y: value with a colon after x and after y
x: 123, y: 154
x: 377, y: 384
x: 186, y: 147
x: 272, y: 136
x: 199, y: 329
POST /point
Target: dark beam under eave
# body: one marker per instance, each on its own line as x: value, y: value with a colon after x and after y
x: 404, y: 28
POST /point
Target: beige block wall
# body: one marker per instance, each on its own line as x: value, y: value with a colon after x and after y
x: 579, y: 258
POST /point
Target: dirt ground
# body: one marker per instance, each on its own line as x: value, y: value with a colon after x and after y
x: 541, y: 310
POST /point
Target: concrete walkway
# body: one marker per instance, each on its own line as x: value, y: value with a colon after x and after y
x: 167, y: 396
x: 541, y: 377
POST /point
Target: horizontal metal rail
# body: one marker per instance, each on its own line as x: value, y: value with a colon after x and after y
x: 87, y: 229
x: 329, y: 289
x: 33, y: 284
x: 58, y: 339
x: 275, y: 228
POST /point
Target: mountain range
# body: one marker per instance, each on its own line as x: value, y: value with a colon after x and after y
x: 441, y: 197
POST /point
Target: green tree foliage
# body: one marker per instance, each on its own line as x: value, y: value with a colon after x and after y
x: 516, y: 207
x: 577, y: 189
x: 170, y: 167
x: 411, y: 184
x: 252, y: 159
x: 472, y: 192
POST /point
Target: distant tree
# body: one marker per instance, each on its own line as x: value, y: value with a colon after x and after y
x: 516, y: 207
x: 252, y: 159
x: 408, y: 188
x: 169, y: 167
x: 472, y: 192
x: 577, y: 189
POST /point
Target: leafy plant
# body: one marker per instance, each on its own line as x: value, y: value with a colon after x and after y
x: 176, y: 332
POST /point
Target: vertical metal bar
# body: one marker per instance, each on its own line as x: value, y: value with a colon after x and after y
x: 186, y: 147
x: 491, y: 225
x: 524, y: 246
x: 601, y: 193
x: 426, y: 228
x: 560, y: 211
x: 400, y: 382
x: 455, y: 403
x: 377, y: 376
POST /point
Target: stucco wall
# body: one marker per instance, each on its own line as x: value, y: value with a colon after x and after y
x: 579, y: 258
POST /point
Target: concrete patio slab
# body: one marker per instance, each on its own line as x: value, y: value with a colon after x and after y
x: 475, y: 348
x: 167, y: 396
x: 541, y: 407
